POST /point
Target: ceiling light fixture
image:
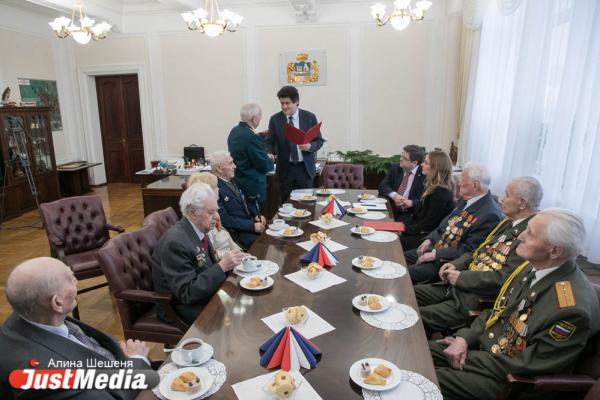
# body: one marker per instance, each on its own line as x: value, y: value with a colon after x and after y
x: 402, y: 15
x: 211, y: 20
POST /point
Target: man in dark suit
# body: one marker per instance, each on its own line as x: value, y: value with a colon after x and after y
x: 42, y: 292
x: 405, y: 180
x: 183, y: 261
x: 295, y: 163
x: 475, y: 215
x: 241, y: 219
x: 250, y: 156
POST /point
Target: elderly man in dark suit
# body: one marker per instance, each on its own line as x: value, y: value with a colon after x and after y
x: 475, y: 215
x: 404, y: 181
x: 183, y: 261
x: 295, y: 163
x: 250, y: 156
x: 42, y: 292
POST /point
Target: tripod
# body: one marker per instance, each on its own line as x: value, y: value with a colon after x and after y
x: 21, y: 157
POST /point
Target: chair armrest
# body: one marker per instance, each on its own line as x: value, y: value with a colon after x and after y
x: 112, y: 227
x: 55, y: 241
x: 164, y: 299
x: 550, y: 383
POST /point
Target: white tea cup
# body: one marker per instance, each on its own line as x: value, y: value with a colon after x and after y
x: 190, y: 350
x: 278, y: 224
x: 287, y: 207
x: 249, y: 264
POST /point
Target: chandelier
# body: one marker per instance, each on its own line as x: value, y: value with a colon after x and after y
x: 402, y: 15
x: 86, y: 30
x: 211, y: 20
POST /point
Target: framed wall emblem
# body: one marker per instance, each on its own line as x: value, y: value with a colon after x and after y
x: 303, y: 68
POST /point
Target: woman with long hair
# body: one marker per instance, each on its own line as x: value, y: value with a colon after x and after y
x: 436, y: 202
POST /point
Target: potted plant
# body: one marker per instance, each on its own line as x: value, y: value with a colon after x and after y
x: 375, y: 165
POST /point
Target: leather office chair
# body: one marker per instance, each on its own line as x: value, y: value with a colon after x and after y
x: 76, y: 229
x: 161, y: 221
x: 585, y: 375
x: 127, y: 263
x: 343, y: 176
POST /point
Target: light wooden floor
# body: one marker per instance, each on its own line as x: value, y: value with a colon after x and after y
x: 123, y: 206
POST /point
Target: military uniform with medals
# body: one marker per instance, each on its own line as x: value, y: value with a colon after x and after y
x: 531, y: 330
x: 443, y: 306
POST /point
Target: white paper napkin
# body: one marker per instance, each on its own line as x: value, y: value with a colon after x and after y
x: 313, y: 327
x: 325, y: 280
x: 335, y: 223
x: 370, y: 206
x: 251, y: 389
x: 412, y: 386
x: 331, y: 245
x: 342, y: 202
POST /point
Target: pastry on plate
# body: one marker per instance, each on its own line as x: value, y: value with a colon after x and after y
x: 296, y: 315
x: 318, y: 237
x: 299, y: 213
x: 357, y: 210
x: 289, y: 231
x: 363, y: 229
x: 382, y: 370
x: 375, y: 379
x: 374, y: 303
x: 327, y: 218
x: 187, y: 382
x: 366, y: 261
x: 254, y: 282
x: 313, y: 270
x: 283, y: 385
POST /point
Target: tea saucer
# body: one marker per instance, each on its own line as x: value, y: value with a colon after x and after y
x: 279, y: 227
x: 207, y: 353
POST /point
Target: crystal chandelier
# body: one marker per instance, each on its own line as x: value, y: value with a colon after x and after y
x: 402, y: 15
x: 211, y: 20
x: 86, y: 30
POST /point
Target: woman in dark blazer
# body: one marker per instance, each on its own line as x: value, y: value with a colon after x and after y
x: 436, y: 202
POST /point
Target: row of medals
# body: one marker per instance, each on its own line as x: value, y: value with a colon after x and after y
x: 494, y: 256
x: 515, y: 330
x: 453, y: 233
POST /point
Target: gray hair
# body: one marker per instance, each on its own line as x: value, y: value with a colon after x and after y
x: 479, y: 173
x: 565, y: 230
x: 249, y: 111
x: 28, y: 291
x: 530, y: 189
x: 218, y: 158
x: 195, y: 197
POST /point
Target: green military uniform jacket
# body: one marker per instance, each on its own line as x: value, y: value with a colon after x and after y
x: 251, y: 160
x: 543, y: 328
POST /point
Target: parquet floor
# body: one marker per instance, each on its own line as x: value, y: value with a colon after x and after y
x: 123, y: 206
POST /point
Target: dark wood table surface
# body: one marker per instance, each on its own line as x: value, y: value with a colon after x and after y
x: 232, y: 324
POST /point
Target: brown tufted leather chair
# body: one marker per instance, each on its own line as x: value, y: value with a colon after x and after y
x: 343, y: 176
x: 161, y: 221
x: 127, y: 263
x: 587, y: 372
x: 76, y: 229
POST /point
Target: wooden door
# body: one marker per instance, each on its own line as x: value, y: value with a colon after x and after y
x: 121, y: 126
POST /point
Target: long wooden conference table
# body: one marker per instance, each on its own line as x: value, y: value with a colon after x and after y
x: 231, y: 322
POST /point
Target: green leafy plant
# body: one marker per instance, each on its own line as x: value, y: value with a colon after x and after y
x: 371, y: 161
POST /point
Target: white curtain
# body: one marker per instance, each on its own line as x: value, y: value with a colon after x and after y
x: 534, y: 108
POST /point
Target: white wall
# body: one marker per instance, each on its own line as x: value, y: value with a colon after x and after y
x: 384, y: 88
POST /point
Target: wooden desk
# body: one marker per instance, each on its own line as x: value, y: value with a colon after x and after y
x: 231, y: 322
x: 74, y: 179
x: 162, y: 194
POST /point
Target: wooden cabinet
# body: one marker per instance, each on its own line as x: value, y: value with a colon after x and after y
x: 26, y: 145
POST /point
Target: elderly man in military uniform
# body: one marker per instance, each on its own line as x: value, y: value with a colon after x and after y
x: 445, y: 305
x: 544, y: 315
x: 475, y: 215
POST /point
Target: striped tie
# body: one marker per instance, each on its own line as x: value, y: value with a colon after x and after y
x: 404, y: 183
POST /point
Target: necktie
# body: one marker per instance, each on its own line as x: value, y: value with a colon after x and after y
x: 293, y: 146
x: 205, y: 243
x: 404, y: 183
x: 89, y: 342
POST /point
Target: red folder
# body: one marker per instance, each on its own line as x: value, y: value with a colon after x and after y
x: 385, y: 225
x: 295, y: 135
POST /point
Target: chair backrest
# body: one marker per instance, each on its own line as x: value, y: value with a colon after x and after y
x: 161, y: 221
x: 126, y: 261
x: 78, y: 222
x: 343, y: 176
x: 589, y: 362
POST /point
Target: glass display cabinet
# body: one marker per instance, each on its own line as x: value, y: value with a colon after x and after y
x: 27, y: 158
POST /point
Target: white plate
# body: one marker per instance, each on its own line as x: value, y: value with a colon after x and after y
x: 282, y: 210
x: 392, y: 381
x: 366, y: 196
x: 377, y: 200
x: 268, y: 284
x: 302, y: 198
x: 298, y: 232
x: 356, y: 231
x: 165, y: 384
x: 356, y: 262
x: 280, y: 227
x: 207, y: 353
x: 385, y: 303
x: 372, y: 215
x: 364, y: 211
x: 304, y: 215
x: 327, y: 192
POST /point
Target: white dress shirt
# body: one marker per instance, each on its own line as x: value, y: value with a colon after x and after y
x: 473, y: 200
x: 296, y: 117
x: 198, y: 231
x: 541, y: 274
x: 411, y: 178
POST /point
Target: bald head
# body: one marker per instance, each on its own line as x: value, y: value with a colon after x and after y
x: 33, y: 284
